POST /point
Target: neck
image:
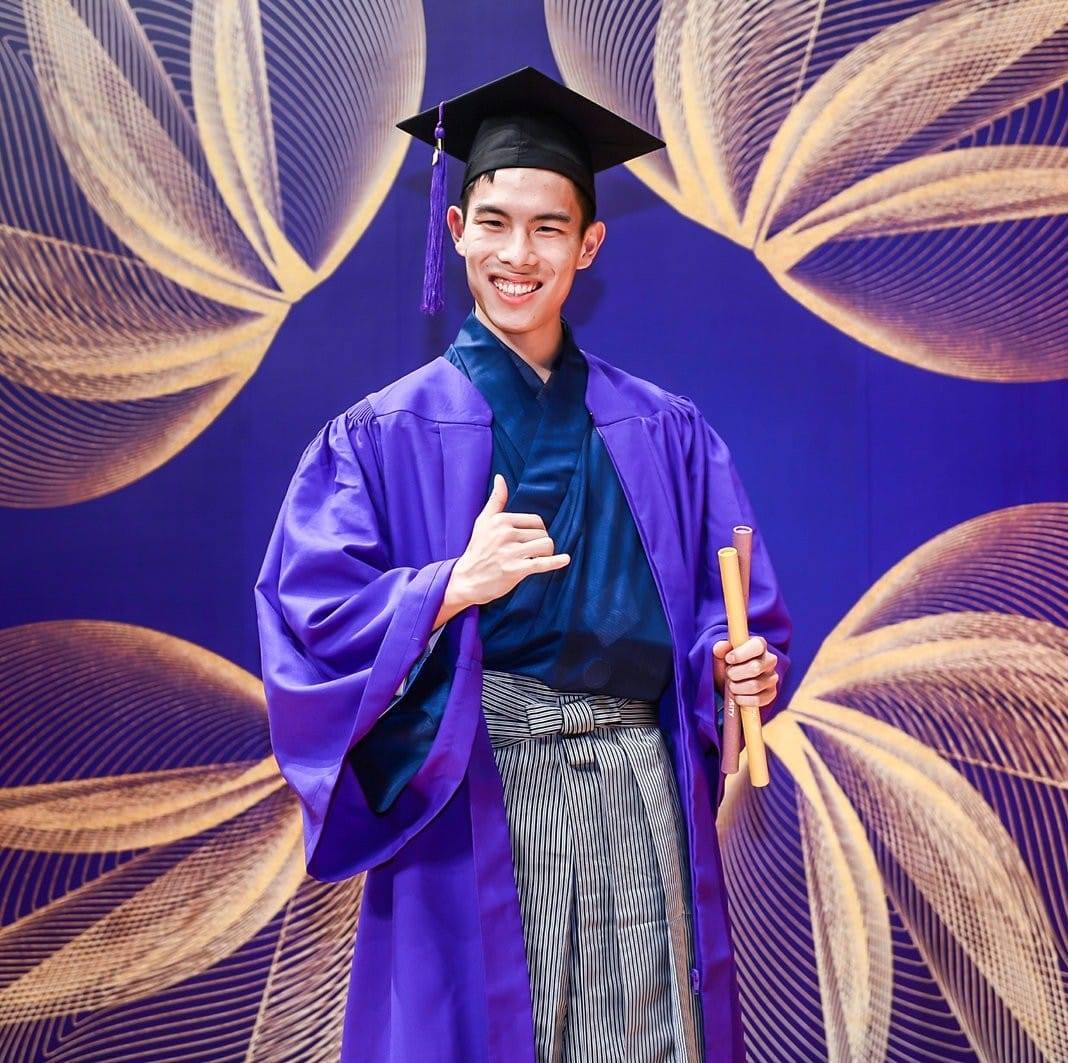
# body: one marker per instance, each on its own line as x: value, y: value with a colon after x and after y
x: 537, y: 348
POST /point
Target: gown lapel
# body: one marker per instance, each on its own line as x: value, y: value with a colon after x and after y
x: 637, y: 462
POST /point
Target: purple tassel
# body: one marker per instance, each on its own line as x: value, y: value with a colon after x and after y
x: 433, y: 297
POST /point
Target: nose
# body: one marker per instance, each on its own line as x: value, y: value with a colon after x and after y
x: 517, y: 250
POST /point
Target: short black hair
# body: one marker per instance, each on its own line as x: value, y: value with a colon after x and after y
x: 587, y: 213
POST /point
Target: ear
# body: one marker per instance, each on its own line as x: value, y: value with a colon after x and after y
x: 591, y: 244
x: 455, y: 220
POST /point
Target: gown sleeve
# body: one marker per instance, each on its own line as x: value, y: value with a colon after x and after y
x: 345, y: 638
x: 723, y: 504
x: 406, y: 682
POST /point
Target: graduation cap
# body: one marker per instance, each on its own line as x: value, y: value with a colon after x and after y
x: 525, y: 118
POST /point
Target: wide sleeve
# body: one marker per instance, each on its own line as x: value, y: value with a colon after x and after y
x: 406, y: 682
x: 340, y: 628
x: 722, y: 503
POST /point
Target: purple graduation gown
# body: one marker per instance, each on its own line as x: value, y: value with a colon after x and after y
x: 379, y: 509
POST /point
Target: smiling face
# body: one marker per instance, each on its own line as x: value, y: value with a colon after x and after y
x: 522, y: 241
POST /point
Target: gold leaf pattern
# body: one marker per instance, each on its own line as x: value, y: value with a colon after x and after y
x: 165, y: 866
x: 908, y: 859
x: 901, y: 883
x: 169, y: 188
x: 899, y: 168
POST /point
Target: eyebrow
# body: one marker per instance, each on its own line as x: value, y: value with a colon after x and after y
x: 553, y: 215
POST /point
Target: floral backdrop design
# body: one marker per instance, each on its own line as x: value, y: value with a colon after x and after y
x: 900, y: 168
x: 902, y: 882
x: 152, y: 868
x: 176, y: 174
x: 908, y: 859
x: 168, y: 189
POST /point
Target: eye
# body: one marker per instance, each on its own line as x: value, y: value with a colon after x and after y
x: 490, y: 222
x: 548, y: 229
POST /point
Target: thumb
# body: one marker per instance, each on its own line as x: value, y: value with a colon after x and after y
x: 498, y: 495
x: 719, y: 666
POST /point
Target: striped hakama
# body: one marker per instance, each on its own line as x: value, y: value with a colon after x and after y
x: 600, y: 863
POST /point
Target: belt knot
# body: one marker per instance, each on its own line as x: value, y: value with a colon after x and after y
x: 519, y: 707
x: 570, y: 714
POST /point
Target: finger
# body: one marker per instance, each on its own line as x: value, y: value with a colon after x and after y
x: 750, y: 669
x: 546, y: 564
x: 752, y: 647
x: 719, y: 650
x: 747, y: 701
x: 498, y: 496
x: 752, y: 686
x: 524, y: 535
x: 525, y: 520
x: 757, y: 700
x: 540, y: 547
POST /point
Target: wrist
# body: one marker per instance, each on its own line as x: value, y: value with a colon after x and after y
x: 453, y: 601
x: 456, y: 597
x: 458, y: 592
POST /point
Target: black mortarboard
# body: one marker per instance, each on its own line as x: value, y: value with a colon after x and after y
x: 525, y: 118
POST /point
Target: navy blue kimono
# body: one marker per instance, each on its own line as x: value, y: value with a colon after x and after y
x: 595, y: 625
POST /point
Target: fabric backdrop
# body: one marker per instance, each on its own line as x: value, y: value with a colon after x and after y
x: 851, y: 257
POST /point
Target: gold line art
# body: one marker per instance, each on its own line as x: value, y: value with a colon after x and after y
x: 912, y: 900
x: 913, y: 839
x: 169, y: 187
x: 151, y: 860
x: 901, y: 169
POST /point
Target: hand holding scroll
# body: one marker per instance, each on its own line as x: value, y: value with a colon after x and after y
x: 747, y: 655
x: 750, y: 671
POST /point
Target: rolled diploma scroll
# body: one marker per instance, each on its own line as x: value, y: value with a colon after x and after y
x: 738, y: 631
x: 732, y: 721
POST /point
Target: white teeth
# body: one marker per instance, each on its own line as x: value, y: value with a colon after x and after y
x: 510, y: 288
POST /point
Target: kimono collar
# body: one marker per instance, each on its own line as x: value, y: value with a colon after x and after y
x: 475, y: 341
x: 456, y: 398
x: 542, y: 427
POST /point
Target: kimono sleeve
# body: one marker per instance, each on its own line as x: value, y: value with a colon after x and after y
x: 340, y: 629
x: 723, y: 503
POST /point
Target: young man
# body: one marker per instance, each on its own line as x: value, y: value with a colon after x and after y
x: 504, y: 710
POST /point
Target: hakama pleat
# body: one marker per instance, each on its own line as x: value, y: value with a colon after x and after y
x: 600, y: 864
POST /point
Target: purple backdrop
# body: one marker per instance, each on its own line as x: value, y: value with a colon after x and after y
x: 852, y: 459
